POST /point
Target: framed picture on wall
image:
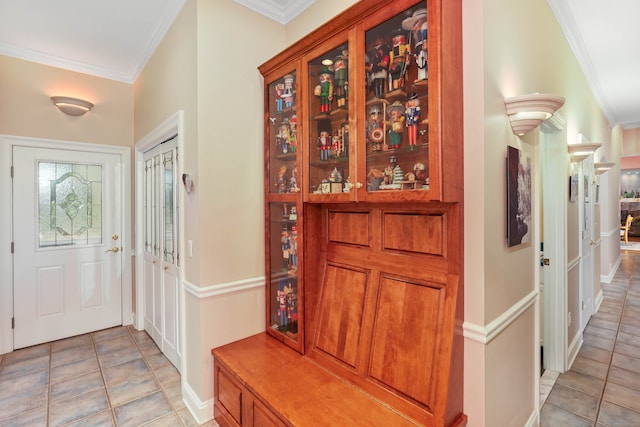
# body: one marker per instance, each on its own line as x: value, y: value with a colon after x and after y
x: 518, y: 197
x: 573, y: 187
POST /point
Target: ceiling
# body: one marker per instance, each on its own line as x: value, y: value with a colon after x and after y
x: 114, y: 39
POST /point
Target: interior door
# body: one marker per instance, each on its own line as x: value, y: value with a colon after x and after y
x: 161, y: 284
x: 67, y: 254
x: 587, y: 271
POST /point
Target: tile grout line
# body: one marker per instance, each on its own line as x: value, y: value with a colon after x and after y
x: 615, y: 342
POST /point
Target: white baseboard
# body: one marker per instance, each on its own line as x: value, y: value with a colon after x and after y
x: 533, y: 419
x: 573, y: 350
x: 598, y: 301
x: 608, y: 278
x: 201, y: 411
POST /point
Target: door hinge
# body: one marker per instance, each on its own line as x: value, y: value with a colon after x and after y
x: 12, y: 247
x: 13, y: 323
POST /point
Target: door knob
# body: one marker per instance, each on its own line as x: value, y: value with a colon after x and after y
x: 114, y: 249
x: 358, y: 185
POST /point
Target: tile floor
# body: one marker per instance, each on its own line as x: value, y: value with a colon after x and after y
x: 114, y: 377
x: 602, y: 388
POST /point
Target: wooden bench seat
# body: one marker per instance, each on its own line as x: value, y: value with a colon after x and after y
x: 260, y: 382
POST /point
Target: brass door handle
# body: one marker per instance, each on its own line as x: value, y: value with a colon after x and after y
x: 114, y: 249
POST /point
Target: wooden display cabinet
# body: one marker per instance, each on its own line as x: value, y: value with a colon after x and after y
x: 371, y: 309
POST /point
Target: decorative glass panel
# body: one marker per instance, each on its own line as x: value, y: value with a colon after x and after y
x: 155, y: 205
x: 70, y: 204
x: 148, y: 207
x: 169, y: 250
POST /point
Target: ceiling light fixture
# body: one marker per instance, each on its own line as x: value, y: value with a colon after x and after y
x: 526, y: 112
x: 72, y: 106
x: 579, y: 152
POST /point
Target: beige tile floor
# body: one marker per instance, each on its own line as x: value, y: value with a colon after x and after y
x: 114, y: 377
x: 602, y: 388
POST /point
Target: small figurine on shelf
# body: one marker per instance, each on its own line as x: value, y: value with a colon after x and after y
x: 287, y: 95
x: 293, y: 133
x: 417, y: 24
x: 375, y: 130
x: 335, y: 144
x: 344, y: 139
x: 293, y: 250
x: 398, y: 176
x: 293, y: 214
x: 418, y: 170
x: 325, y: 89
x: 398, y: 58
x: 293, y: 180
x: 281, y: 180
x: 325, y: 145
x: 279, y: 92
x: 284, y: 136
x: 412, y: 115
x: 285, y: 210
x: 286, y: 247
x: 340, y: 79
x: 281, y: 299
x: 292, y: 310
x: 335, y: 176
x: 396, y: 122
x: 377, y: 65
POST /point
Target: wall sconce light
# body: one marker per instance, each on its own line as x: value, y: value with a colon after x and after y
x: 579, y: 152
x: 602, y: 167
x: 72, y: 106
x: 526, y: 112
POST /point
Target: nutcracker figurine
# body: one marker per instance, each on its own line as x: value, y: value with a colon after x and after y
x: 340, y: 79
x: 396, y: 124
x: 417, y: 24
x: 375, y: 130
x: 324, y: 139
x: 398, y: 58
x: 377, y: 65
x: 279, y: 92
x: 325, y: 89
x: 281, y: 300
x: 287, y: 95
x: 293, y: 250
x: 412, y: 116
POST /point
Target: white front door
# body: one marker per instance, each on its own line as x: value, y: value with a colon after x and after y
x: 67, y: 246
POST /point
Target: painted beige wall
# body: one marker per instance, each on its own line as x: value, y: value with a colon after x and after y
x: 311, y: 18
x: 167, y: 84
x: 631, y: 144
x: 511, y: 47
x: 26, y: 110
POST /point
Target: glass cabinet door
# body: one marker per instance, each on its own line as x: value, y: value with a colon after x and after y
x: 328, y: 168
x: 283, y: 280
x: 396, y: 129
x: 283, y: 141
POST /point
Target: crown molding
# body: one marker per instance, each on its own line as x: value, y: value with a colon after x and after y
x: 281, y: 11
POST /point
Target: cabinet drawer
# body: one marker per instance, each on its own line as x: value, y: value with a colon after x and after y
x: 228, y: 395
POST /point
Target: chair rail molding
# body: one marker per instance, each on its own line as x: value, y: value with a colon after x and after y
x: 485, y: 334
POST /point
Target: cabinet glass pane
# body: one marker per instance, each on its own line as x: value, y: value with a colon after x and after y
x: 329, y: 122
x: 283, y: 281
x: 168, y: 210
x: 283, y: 143
x: 397, y: 79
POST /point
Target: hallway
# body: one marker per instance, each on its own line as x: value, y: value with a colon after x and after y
x: 113, y: 377
x: 603, y: 386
